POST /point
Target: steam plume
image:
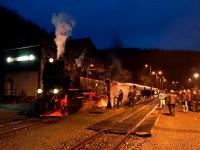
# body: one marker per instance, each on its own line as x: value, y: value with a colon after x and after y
x: 118, y: 72
x: 63, y: 24
x: 79, y: 60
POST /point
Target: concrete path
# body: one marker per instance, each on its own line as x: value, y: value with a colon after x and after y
x: 181, y: 132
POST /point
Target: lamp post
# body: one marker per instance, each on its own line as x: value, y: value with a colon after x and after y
x: 196, y: 76
x: 158, y: 75
x: 109, y: 106
x: 174, y: 84
x: 149, y: 66
x: 155, y: 74
x: 189, y: 81
x: 163, y: 80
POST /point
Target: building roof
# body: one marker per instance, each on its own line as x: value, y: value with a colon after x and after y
x: 21, y: 48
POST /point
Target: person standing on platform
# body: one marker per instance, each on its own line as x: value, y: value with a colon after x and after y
x: 189, y: 99
x: 172, y: 99
x: 120, y: 98
x: 195, y: 101
x: 161, y: 97
x: 184, y: 101
x: 132, y: 96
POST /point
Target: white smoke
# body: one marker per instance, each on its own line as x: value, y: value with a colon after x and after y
x: 80, y: 59
x: 63, y: 24
x: 118, y: 73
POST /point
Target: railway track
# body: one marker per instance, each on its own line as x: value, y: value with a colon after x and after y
x: 119, y: 140
x: 22, y: 124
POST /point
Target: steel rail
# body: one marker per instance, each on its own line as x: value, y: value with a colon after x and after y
x: 16, y: 122
x: 79, y: 145
x: 140, y: 109
x: 21, y: 127
x: 133, y: 129
x: 18, y: 128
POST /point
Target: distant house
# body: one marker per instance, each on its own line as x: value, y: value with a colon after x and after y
x: 21, y: 71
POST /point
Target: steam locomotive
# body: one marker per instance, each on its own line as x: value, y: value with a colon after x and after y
x: 58, y: 97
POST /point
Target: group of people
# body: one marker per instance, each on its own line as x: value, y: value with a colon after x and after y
x: 189, y: 100
x: 132, y: 97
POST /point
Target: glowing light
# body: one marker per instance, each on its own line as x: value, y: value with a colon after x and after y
x: 10, y: 59
x: 196, y: 75
x: 55, y: 91
x: 189, y: 80
x: 146, y: 65
x: 153, y: 73
x: 39, y: 91
x: 22, y: 58
x: 102, y: 103
x: 91, y: 65
x: 31, y: 57
x: 160, y: 72
x: 51, y: 60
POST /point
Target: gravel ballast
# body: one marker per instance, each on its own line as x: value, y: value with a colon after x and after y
x: 181, y: 132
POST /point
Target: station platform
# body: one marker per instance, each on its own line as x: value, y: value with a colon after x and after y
x: 181, y: 132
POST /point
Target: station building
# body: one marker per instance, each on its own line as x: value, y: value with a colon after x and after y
x: 22, y: 68
x: 21, y: 71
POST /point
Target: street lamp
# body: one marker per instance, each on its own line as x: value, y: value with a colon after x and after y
x: 160, y: 72
x: 148, y: 66
x: 158, y: 75
x: 175, y: 83
x: 163, y: 80
x: 196, y: 75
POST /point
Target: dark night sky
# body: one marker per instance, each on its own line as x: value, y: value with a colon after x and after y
x: 170, y: 24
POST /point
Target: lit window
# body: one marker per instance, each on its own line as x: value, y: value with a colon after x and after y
x: 22, y: 58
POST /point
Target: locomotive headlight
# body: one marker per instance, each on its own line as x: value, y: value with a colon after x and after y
x: 55, y: 91
x: 39, y: 91
x: 9, y: 59
x: 51, y: 60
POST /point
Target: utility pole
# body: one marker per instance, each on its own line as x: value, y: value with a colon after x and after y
x: 108, y: 91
